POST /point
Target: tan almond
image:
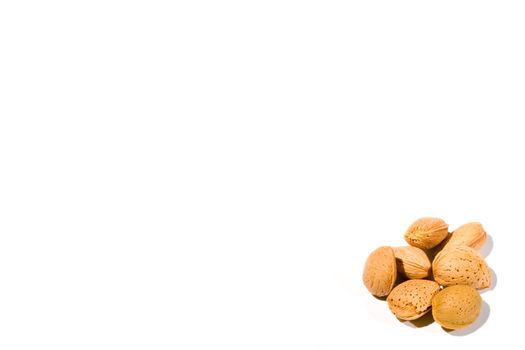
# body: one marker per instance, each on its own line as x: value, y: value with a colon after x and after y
x: 412, y: 299
x: 412, y: 262
x: 456, y: 307
x: 426, y: 233
x: 461, y: 265
x: 380, y: 272
x: 472, y: 235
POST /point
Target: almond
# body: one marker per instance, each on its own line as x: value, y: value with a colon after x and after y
x: 461, y: 265
x: 426, y: 233
x: 412, y: 299
x: 472, y: 235
x: 456, y: 307
x: 412, y: 262
x: 380, y: 271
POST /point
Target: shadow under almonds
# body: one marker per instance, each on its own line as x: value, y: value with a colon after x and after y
x: 482, y: 318
x: 421, y: 322
x: 487, y: 247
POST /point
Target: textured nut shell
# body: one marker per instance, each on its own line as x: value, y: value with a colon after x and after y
x: 461, y: 265
x: 380, y: 271
x: 412, y: 262
x: 412, y: 299
x: 456, y: 307
x: 472, y: 235
x: 426, y: 233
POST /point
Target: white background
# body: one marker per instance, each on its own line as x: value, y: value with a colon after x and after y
x: 213, y: 174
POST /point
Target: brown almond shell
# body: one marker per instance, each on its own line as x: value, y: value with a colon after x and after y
x: 380, y: 272
x: 456, y: 307
x: 461, y: 265
x: 412, y: 299
x: 426, y: 233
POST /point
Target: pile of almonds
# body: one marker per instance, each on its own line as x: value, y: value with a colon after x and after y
x: 442, y: 272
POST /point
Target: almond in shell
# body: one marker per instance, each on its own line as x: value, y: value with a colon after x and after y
x: 426, y: 233
x: 472, y: 235
x: 456, y: 307
x: 412, y: 299
x: 380, y: 272
x: 461, y: 265
x: 412, y: 262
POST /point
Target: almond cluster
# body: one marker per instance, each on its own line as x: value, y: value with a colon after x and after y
x: 438, y: 271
